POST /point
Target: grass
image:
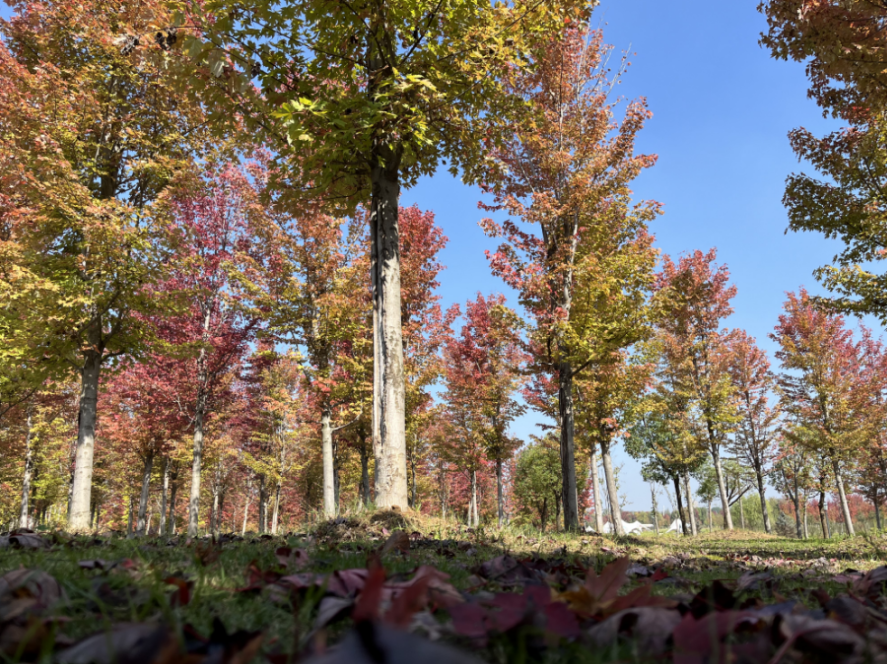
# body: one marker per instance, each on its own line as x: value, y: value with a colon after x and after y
x: 143, y: 580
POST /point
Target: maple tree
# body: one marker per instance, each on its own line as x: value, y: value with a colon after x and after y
x: 694, y: 297
x: 755, y: 437
x: 91, y: 139
x: 566, y: 172
x: 482, y: 376
x: 822, y: 387
x: 361, y: 100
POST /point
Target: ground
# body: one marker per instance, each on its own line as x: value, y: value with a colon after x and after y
x: 389, y: 588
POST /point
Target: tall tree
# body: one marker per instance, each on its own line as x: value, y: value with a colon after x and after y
x: 694, y: 298
x: 362, y: 99
x: 482, y: 374
x: 93, y: 131
x: 823, y: 386
x: 566, y: 171
x: 755, y: 436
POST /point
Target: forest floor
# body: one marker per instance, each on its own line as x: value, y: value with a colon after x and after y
x: 389, y: 588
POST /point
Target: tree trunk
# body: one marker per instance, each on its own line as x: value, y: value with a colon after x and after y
x: 823, y: 517
x: 164, y: 494
x: 214, y: 519
x: 245, y: 514
x: 472, y: 508
x: 741, y: 514
x: 570, y: 498
x: 691, y: 510
x: 722, y: 487
x: 329, y: 480
x: 612, y: 491
x: 143, y: 498
x: 171, y: 519
x: 806, y: 529
x: 389, y: 431
x: 543, y: 514
x: 197, y: 463
x: 655, y: 510
x: 81, y: 490
x: 596, y: 491
x: 677, y: 493
x: 129, y: 516
x: 845, y: 507
x: 766, y: 514
x: 24, y: 519
x: 877, y: 510
x: 797, y: 503
x: 263, y: 505
x: 500, y: 493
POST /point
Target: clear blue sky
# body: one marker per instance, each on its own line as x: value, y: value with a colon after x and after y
x: 722, y: 108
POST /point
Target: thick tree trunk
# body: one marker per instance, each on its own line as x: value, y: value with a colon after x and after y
x: 570, y: 498
x: 389, y: 432
x: 596, y: 493
x: 681, y: 515
x: 81, y: 490
x: 329, y: 462
x: 767, y: 527
x: 845, y: 507
x: 276, y: 515
x: 197, y: 463
x: 691, y: 510
x: 500, y: 493
x: 164, y: 495
x: 612, y: 491
x: 797, y: 503
x: 24, y: 519
x: 143, y: 498
x: 722, y: 487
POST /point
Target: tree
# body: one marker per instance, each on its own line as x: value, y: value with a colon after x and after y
x: 566, y: 171
x: 754, y: 441
x: 694, y: 297
x: 93, y: 132
x: 822, y: 387
x: 537, y: 478
x: 363, y: 99
x: 841, y: 44
x: 482, y: 374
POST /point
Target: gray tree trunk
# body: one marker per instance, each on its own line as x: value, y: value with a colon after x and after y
x: 142, y: 528
x: 24, y: 518
x: 329, y: 471
x: 677, y: 492
x: 500, y: 493
x: 389, y: 428
x: 691, y: 510
x: 473, y: 519
x: 767, y: 527
x: 275, y: 516
x: 722, y: 487
x: 364, y: 474
x: 569, y: 498
x: 596, y: 493
x: 81, y: 489
x: 164, y: 494
x: 612, y: 491
x: 845, y: 507
x: 197, y: 463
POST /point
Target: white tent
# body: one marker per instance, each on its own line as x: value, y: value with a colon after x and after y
x: 628, y: 528
x: 675, y: 527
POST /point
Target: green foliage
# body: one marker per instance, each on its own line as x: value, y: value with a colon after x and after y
x: 537, y: 478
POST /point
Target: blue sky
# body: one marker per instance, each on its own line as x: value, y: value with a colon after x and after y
x: 722, y: 108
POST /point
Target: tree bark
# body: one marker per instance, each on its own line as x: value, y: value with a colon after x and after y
x: 570, y: 498
x: 364, y: 473
x: 767, y: 527
x: 612, y: 491
x: 823, y: 516
x: 722, y: 487
x: 24, y: 519
x: 677, y: 493
x: 389, y: 429
x: 171, y: 519
x: 845, y: 507
x: 164, y: 494
x: 146, y: 486
x: 877, y: 510
x: 473, y: 519
x: 245, y: 514
x: 500, y: 493
x: 129, y: 516
x: 81, y: 490
x: 596, y: 493
x: 197, y: 463
x: 655, y: 509
x: 691, y: 511
x: 263, y: 505
x: 329, y: 471
x: 275, y: 517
